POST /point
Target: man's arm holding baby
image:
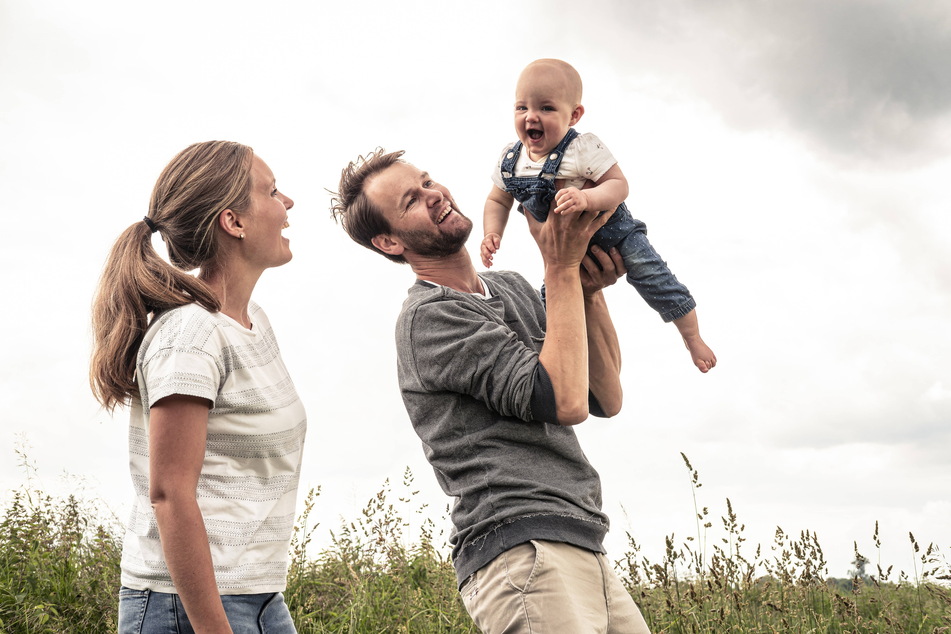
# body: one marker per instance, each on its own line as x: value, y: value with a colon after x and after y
x: 604, y: 351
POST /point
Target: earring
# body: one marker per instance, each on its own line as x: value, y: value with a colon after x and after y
x: 241, y: 237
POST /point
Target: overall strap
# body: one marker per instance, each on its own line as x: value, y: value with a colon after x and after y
x: 553, y: 160
x: 511, y: 157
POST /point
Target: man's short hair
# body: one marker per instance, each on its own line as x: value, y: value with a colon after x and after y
x: 350, y: 206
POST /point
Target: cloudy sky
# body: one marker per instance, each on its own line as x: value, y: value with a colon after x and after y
x: 790, y: 158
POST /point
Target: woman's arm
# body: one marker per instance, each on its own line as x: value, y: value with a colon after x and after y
x: 177, y: 433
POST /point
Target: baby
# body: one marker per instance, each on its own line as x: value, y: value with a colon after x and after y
x: 552, y: 162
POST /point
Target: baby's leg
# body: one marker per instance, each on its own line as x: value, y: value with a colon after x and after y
x: 648, y: 273
x: 700, y: 352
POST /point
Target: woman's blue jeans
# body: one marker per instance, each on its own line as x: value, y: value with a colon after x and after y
x: 148, y: 612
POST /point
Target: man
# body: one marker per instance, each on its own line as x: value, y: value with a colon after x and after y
x: 492, y: 380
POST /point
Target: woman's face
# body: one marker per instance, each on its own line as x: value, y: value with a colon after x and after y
x: 266, y: 218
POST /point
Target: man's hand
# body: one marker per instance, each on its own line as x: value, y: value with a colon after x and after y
x: 601, y: 272
x: 490, y: 244
x: 563, y: 238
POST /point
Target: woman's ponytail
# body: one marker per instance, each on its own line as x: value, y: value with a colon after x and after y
x: 137, y: 283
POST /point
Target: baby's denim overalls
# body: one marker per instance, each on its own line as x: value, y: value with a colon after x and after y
x: 646, y: 270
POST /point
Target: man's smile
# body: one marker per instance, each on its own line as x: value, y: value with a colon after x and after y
x: 443, y: 215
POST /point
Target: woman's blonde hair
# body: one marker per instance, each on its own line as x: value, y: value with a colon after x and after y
x: 198, y: 184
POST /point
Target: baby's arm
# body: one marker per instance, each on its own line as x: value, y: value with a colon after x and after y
x: 608, y: 192
x: 496, y: 215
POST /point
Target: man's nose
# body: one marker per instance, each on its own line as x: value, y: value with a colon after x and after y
x: 435, y: 197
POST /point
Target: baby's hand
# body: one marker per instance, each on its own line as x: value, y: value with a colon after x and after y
x: 490, y: 244
x: 570, y: 199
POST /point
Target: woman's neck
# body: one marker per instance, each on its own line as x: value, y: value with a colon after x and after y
x: 233, y: 290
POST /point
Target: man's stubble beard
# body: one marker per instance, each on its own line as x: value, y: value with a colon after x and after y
x: 440, y: 244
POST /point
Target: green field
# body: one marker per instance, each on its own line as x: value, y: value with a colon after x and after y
x: 59, y: 572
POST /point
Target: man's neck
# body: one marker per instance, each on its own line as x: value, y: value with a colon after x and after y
x: 455, y: 271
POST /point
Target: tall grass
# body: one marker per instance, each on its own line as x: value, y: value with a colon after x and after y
x: 388, y: 571
x: 782, y: 589
x: 371, y: 579
x: 59, y: 564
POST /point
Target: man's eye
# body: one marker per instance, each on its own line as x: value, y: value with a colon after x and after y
x: 428, y: 184
x: 274, y: 193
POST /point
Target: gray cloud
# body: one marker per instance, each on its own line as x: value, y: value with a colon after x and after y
x: 864, y: 82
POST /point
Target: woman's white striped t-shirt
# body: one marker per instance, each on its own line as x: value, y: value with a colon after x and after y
x: 247, y: 490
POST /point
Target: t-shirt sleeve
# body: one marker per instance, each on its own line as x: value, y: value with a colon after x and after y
x: 183, y: 360
x: 593, y: 156
x: 497, y: 170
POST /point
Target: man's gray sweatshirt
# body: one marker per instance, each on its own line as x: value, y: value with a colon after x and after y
x: 474, y: 390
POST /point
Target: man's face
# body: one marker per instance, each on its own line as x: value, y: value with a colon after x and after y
x: 421, y: 212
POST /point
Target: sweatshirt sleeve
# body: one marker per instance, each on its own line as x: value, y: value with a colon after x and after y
x: 461, y: 347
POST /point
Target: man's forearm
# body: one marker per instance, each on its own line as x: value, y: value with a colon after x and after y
x: 565, y: 351
x: 604, y: 354
x: 563, y: 240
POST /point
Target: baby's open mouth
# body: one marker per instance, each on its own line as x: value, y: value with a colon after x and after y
x: 534, y: 135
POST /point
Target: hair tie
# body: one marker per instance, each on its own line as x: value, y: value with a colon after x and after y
x: 151, y: 224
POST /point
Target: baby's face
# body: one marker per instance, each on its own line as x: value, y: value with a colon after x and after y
x: 544, y: 110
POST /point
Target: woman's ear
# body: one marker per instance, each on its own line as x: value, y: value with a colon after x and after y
x: 231, y: 223
x: 385, y: 243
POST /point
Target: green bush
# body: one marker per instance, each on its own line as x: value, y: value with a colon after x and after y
x: 59, y: 567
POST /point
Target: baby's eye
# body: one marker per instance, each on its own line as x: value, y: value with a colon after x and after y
x: 549, y: 108
x: 517, y: 108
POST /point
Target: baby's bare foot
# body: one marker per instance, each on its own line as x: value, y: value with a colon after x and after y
x: 701, y: 353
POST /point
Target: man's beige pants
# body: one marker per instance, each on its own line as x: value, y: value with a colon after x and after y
x: 543, y: 587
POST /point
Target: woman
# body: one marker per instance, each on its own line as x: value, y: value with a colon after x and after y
x: 216, y: 429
